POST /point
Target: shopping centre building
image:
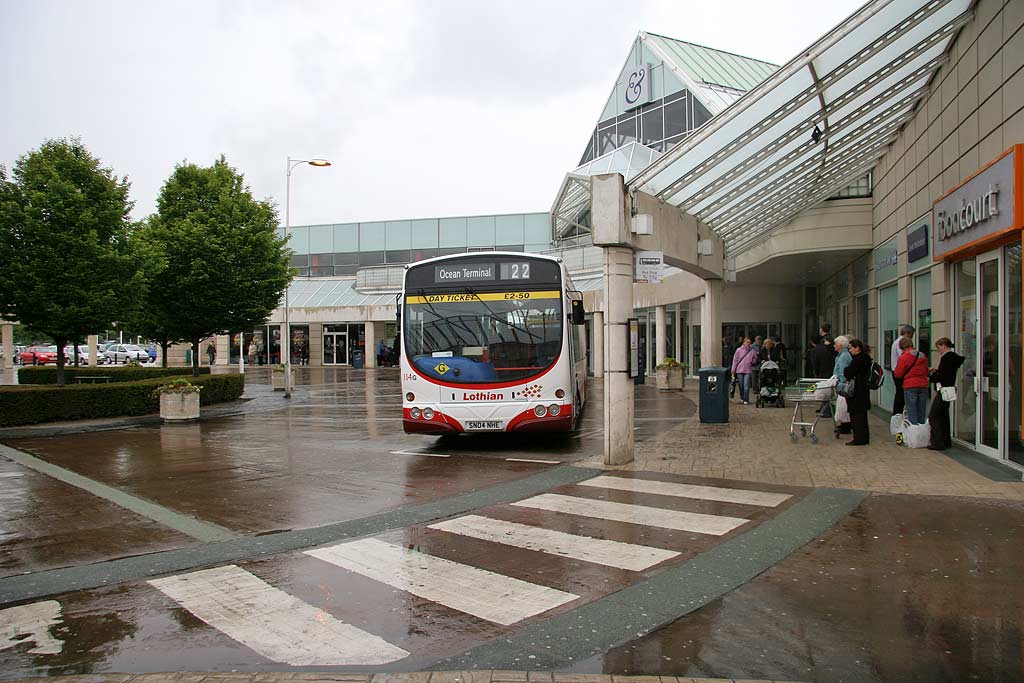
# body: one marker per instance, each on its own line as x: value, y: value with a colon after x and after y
x: 874, y: 180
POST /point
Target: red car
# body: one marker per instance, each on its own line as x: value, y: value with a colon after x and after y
x: 39, y: 355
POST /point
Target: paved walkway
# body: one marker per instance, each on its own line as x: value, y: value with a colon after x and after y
x: 755, y: 446
x: 484, y: 676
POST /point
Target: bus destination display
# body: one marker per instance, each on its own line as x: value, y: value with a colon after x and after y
x: 482, y: 272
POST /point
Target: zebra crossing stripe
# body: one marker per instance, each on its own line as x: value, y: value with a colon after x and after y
x: 667, y: 488
x: 487, y: 595
x: 599, y: 551
x: 714, y: 525
x: 276, y: 625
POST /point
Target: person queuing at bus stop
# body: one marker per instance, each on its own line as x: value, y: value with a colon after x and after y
x: 943, y: 376
x: 898, y: 402
x: 859, y: 370
x: 912, y: 373
x: 742, y: 366
x: 843, y: 358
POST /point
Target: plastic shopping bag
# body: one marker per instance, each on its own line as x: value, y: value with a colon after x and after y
x: 842, y: 411
x: 896, y: 423
x: 916, y: 436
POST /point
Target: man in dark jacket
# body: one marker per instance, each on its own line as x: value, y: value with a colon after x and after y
x: 823, y: 359
x: 859, y: 370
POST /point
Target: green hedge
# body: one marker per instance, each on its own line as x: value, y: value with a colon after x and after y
x: 47, y: 374
x: 21, y: 404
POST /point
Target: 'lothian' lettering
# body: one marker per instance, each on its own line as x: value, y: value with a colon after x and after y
x: 482, y: 396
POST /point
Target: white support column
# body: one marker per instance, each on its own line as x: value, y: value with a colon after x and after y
x: 618, y: 386
x: 8, y: 342
x: 660, y: 340
x: 597, y: 350
x: 711, y: 324
x: 93, y: 342
x: 370, y: 355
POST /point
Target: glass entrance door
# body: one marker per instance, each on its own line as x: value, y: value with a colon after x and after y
x: 989, y: 321
x: 979, y: 406
x: 335, y: 348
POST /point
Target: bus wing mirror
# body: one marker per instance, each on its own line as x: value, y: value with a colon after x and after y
x: 578, y: 314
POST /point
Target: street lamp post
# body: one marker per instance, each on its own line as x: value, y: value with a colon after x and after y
x: 286, y: 341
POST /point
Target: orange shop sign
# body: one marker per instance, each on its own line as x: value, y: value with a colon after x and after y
x: 982, y: 211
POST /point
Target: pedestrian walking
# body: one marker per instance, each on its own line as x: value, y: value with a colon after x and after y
x: 898, y: 401
x: 211, y: 352
x: 380, y: 352
x: 757, y: 346
x: 859, y: 370
x: 742, y: 366
x: 912, y: 373
x: 944, y: 377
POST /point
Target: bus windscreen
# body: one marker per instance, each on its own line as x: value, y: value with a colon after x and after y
x: 470, y: 337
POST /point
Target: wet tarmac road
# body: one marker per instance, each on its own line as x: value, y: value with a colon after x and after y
x: 139, y: 628
x: 334, y: 452
x: 905, y: 589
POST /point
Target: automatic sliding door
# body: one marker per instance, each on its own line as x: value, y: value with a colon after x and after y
x: 990, y: 388
x: 966, y: 405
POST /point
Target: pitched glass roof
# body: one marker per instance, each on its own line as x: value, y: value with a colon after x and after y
x: 332, y: 293
x: 813, y: 127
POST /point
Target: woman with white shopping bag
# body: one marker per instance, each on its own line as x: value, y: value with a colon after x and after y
x: 843, y: 360
x: 945, y: 377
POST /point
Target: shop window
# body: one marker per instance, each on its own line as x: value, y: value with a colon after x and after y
x: 371, y: 258
x: 320, y: 260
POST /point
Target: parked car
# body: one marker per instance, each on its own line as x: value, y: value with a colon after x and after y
x: 39, y: 355
x: 83, y: 354
x: 122, y: 353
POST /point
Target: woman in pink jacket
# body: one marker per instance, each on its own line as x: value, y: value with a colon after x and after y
x: 743, y: 360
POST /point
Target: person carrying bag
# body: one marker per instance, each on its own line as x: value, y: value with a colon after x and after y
x: 912, y: 373
x: 945, y: 377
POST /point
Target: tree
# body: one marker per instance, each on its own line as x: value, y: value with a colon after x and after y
x: 68, y: 265
x: 226, y: 265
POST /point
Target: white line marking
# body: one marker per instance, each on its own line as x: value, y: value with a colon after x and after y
x: 542, y: 462
x: 6, y: 475
x: 667, y: 488
x: 494, y: 597
x: 714, y: 525
x: 31, y: 623
x: 600, y: 551
x: 429, y: 455
x: 278, y: 626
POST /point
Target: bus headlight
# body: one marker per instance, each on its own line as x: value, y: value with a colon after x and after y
x: 554, y: 409
x: 415, y: 412
x: 428, y: 413
x: 540, y: 411
x: 560, y: 393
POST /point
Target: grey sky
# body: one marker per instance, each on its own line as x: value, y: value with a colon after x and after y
x: 426, y: 108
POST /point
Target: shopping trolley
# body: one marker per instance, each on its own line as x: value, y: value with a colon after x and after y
x: 810, y: 397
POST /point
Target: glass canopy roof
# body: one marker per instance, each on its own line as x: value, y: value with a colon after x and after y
x: 813, y: 127
x: 571, y: 211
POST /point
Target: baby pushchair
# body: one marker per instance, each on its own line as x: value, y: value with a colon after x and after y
x: 769, y: 378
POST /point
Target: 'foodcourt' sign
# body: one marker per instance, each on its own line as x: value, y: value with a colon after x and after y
x: 980, y: 210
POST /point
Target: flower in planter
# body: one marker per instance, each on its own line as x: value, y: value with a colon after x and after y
x: 671, y: 363
x: 177, y: 386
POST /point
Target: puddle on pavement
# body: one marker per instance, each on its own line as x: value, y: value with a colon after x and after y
x: 905, y: 589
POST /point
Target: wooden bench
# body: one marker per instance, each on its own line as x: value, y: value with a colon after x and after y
x: 93, y: 379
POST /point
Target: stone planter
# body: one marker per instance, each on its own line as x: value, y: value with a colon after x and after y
x: 671, y: 379
x: 277, y: 378
x: 179, y: 407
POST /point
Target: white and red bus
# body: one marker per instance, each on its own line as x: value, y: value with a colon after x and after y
x: 491, y: 342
